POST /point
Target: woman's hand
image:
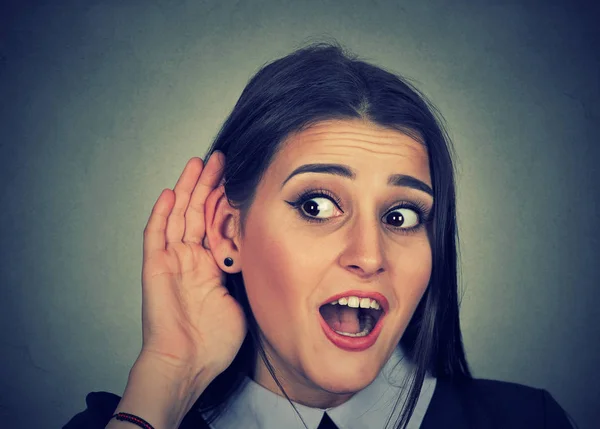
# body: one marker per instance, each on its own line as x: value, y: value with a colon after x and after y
x: 188, y: 317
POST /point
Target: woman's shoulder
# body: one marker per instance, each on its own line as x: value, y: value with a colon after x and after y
x: 496, y: 403
x: 497, y: 388
x: 456, y: 403
x: 100, y: 407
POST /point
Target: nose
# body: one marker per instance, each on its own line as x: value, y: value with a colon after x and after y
x: 363, y: 254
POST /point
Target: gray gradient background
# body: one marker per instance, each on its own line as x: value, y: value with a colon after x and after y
x: 102, y: 104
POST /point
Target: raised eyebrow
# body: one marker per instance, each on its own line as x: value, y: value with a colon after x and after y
x: 402, y: 180
x: 335, y: 169
x: 409, y: 182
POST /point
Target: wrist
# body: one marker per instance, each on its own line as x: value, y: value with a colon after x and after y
x: 197, y: 374
x: 162, y: 393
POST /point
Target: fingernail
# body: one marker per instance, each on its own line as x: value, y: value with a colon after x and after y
x: 212, y: 154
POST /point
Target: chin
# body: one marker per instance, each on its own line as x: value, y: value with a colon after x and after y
x: 342, y: 379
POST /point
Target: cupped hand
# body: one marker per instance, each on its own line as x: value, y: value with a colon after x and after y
x: 188, y: 316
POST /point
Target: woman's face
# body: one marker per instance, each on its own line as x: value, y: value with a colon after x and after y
x: 345, y: 236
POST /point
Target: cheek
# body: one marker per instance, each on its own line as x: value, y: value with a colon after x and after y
x: 274, y: 282
x: 412, y: 274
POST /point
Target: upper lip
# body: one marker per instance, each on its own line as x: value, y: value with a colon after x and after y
x: 382, y: 300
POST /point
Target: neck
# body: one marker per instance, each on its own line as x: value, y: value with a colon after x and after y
x: 297, y: 387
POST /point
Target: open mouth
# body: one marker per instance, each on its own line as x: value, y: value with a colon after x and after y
x: 352, y: 316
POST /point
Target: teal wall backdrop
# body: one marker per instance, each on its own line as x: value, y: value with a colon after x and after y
x: 103, y: 102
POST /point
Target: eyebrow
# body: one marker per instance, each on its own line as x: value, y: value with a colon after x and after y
x: 345, y: 171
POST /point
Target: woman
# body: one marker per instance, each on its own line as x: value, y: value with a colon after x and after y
x: 306, y: 275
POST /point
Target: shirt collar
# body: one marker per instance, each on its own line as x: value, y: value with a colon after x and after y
x: 255, y: 407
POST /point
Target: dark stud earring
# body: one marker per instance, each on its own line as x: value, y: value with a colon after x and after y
x: 228, y: 261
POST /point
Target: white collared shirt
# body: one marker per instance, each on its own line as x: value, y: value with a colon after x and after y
x: 255, y: 407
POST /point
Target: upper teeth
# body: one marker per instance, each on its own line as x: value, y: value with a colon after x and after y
x: 355, y: 302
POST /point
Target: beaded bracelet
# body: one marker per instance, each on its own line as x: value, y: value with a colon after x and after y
x: 126, y: 417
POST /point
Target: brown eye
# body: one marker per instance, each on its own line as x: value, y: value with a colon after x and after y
x: 402, y: 218
x: 318, y: 207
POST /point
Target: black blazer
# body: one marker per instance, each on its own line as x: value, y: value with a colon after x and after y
x: 472, y: 404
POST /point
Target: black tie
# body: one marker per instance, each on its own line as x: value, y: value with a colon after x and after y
x: 326, y: 423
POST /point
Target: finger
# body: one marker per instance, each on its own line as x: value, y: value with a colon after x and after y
x: 154, y: 232
x: 183, y: 190
x: 195, y: 227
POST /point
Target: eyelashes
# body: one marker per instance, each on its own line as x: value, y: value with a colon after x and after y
x: 310, y: 194
x: 420, y: 209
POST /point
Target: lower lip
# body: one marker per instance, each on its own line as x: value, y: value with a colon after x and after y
x: 352, y: 344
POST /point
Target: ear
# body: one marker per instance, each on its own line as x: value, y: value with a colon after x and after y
x: 223, y: 230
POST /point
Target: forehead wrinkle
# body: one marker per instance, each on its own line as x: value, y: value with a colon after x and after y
x: 418, y: 151
x: 403, y: 141
x: 357, y: 140
x: 342, y: 134
x: 362, y: 127
x: 350, y: 155
x: 359, y: 137
x: 353, y: 130
x: 321, y: 141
